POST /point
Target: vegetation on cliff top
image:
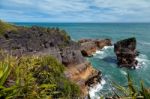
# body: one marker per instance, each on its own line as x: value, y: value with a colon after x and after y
x: 6, y: 27
x: 34, y: 78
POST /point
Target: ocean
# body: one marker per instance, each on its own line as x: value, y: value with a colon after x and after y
x: 105, y: 59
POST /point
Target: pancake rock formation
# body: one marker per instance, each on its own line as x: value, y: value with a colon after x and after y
x: 126, y: 53
x: 89, y: 46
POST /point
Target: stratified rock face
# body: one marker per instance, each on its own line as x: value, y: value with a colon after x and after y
x: 126, y: 52
x: 84, y: 75
x: 89, y: 46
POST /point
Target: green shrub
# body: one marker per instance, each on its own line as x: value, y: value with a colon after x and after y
x: 38, y: 78
x: 6, y: 27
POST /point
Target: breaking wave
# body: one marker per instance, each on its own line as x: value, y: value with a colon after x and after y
x: 143, y: 61
x: 93, y: 90
x: 144, y: 43
x: 123, y: 72
x: 104, y: 52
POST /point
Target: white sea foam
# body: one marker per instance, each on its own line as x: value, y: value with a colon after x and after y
x: 98, y: 52
x: 142, y: 61
x: 95, y: 89
x: 103, y: 52
x: 144, y: 43
x: 108, y: 51
x: 123, y: 72
x: 107, y: 47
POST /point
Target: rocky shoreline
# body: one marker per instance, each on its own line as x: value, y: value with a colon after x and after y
x: 39, y: 41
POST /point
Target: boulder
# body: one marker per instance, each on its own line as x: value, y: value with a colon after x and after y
x: 126, y: 53
x: 71, y: 57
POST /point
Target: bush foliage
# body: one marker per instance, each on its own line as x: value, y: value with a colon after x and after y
x: 32, y: 77
x: 6, y: 27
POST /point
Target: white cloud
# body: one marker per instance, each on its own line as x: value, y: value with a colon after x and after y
x: 126, y: 6
x: 76, y: 10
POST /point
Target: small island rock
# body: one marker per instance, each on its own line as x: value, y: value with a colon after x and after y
x: 126, y: 52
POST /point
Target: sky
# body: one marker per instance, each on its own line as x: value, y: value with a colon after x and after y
x: 75, y: 10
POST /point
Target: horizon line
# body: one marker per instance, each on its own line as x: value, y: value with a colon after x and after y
x: 70, y: 22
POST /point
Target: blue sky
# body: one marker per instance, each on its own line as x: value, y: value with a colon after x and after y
x: 75, y: 10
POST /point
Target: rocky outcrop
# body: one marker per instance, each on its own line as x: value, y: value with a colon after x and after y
x: 38, y: 40
x: 55, y: 42
x: 126, y: 52
x: 33, y: 39
x: 89, y: 46
x: 84, y: 75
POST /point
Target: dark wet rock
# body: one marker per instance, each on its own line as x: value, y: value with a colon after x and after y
x: 93, y: 79
x: 126, y: 52
x: 89, y: 46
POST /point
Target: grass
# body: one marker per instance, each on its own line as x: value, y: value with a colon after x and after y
x: 6, y: 27
x: 4, y: 71
x: 35, y: 78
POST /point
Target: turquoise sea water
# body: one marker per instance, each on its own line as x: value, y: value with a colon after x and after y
x: 105, y: 60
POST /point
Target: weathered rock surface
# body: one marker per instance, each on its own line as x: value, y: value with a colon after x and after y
x: 89, y: 46
x: 126, y: 52
x: 84, y: 75
x: 40, y: 40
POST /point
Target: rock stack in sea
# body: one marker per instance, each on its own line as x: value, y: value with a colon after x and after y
x: 126, y: 52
